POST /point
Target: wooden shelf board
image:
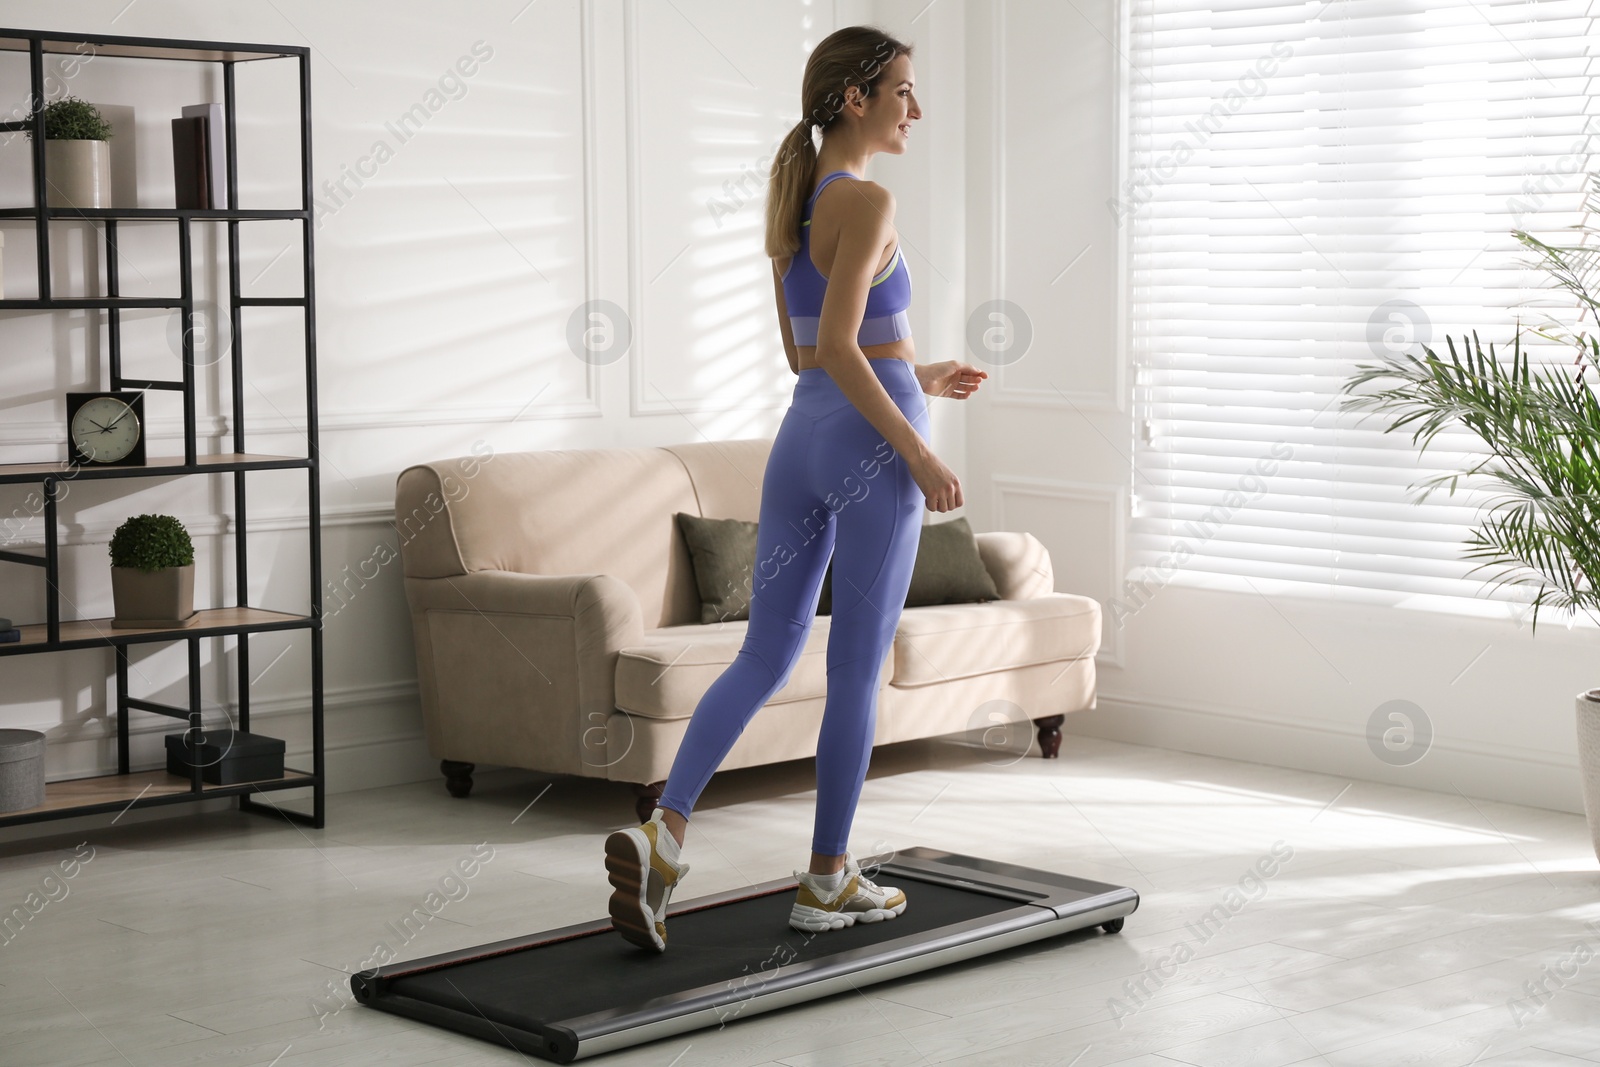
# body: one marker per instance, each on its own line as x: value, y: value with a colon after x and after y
x: 154, y: 467
x: 149, y: 47
x: 90, y: 303
x: 115, y: 788
x: 92, y: 630
x: 135, y: 214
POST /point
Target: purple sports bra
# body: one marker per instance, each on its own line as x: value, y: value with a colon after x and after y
x: 888, y: 300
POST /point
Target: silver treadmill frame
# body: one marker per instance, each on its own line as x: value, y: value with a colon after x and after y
x: 1047, y: 905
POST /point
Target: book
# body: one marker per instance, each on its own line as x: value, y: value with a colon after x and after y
x: 217, y: 150
x: 190, y: 155
x: 10, y: 636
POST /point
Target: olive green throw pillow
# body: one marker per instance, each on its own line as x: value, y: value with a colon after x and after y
x: 723, y: 552
x: 948, y: 568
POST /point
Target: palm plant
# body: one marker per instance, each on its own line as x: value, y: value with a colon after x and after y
x: 1539, y: 424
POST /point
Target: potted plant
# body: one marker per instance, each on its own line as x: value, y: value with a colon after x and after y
x: 152, y: 573
x: 77, y: 160
x: 1539, y: 425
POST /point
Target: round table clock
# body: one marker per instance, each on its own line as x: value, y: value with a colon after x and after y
x: 106, y: 429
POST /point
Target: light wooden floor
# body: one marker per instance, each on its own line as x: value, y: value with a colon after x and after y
x: 1405, y: 928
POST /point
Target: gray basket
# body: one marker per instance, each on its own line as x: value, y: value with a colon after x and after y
x: 21, y: 769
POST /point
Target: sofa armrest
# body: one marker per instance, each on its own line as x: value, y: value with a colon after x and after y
x: 520, y: 669
x: 1019, y: 564
x: 608, y: 606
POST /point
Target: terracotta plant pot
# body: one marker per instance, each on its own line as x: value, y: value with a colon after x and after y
x: 1589, y: 760
x: 78, y: 173
x: 153, y: 598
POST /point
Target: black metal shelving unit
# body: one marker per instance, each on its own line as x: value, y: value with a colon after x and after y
x: 125, y: 789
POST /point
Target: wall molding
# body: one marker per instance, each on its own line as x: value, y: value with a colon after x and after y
x: 1495, y: 771
x: 29, y: 532
x: 1114, y: 498
x: 103, y: 727
x: 341, y: 421
x: 1123, y: 339
x: 638, y: 404
x: 635, y: 231
x: 54, y: 431
x: 1004, y: 395
x: 589, y: 132
x: 393, y: 754
x: 219, y: 428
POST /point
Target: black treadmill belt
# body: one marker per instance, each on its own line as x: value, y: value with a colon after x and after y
x: 582, y: 990
x: 716, y: 944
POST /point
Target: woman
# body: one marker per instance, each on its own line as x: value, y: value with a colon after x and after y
x: 848, y: 476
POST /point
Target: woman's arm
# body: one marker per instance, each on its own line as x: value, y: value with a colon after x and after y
x: 950, y: 378
x: 866, y: 228
x: 783, y: 321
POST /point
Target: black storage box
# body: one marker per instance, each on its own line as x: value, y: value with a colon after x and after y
x: 227, y: 756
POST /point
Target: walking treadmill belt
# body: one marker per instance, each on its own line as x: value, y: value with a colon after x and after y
x: 582, y: 990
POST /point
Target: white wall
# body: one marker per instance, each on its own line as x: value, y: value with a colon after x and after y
x: 612, y: 150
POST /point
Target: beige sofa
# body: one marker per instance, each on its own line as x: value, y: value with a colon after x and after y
x: 556, y: 622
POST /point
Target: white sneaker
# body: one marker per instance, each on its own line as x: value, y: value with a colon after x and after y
x: 856, y: 900
x: 643, y: 880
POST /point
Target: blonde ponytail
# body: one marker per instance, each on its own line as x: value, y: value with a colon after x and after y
x: 794, y: 168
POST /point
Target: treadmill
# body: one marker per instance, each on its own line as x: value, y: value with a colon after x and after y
x: 582, y: 990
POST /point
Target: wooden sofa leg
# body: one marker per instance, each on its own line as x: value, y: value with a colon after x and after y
x: 648, y: 795
x: 457, y: 777
x: 1050, y: 735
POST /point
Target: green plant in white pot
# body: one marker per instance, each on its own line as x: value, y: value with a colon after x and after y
x: 152, y: 573
x: 77, y: 159
x: 1539, y: 425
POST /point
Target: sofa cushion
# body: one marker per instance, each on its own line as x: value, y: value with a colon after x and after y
x: 723, y: 552
x: 669, y: 670
x: 945, y: 641
x: 948, y: 569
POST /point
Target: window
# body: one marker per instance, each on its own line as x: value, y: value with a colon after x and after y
x: 1310, y: 184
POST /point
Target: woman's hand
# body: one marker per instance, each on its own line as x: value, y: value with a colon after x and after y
x: 938, y: 482
x: 950, y: 378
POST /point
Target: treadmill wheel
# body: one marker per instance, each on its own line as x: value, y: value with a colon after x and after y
x: 1113, y: 927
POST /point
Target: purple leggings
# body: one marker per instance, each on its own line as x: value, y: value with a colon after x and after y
x: 832, y: 482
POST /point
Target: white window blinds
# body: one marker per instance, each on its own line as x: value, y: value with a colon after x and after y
x: 1309, y: 184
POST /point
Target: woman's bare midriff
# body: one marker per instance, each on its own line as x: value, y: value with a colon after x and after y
x: 901, y: 349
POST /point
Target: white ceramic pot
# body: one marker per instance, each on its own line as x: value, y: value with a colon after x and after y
x: 1589, y: 760
x: 77, y: 173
